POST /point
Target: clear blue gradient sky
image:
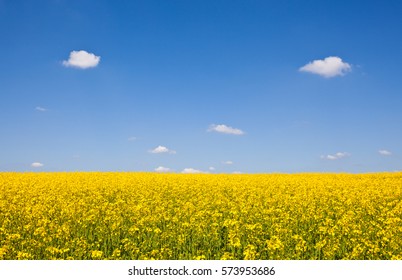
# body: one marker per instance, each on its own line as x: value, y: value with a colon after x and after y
x: 212, y: 86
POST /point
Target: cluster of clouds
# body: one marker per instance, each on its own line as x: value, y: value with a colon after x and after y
x: 328, y: 67
x: 219, y: 128
x: 188, y: 170
x: 340, y: 155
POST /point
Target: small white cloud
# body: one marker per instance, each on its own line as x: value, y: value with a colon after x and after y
x: 162, y: 169
x: 132, y: 138
x: 82, y: 59
x: 211, y: 168
x: 330, y: 157
x: 191, y: 171
x: 222, y: 128
x: 40, y: 109
x: 329, y: 67
x: 37, y: 164
x: 384, y: 153
x: 336, y: 156
x: 342, y: 155
x: 237, y: 172
x: 162, y: 149
x: 228, y: 162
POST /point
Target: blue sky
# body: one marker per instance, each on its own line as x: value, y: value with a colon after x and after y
x: 209, y: 86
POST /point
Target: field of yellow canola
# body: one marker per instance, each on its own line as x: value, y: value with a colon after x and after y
x: 186, y: 216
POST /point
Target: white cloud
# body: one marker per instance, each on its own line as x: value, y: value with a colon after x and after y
x: 228, y: 162
x: 384, y: 152
x: 191, y: 171
x: 222, y: 128
x: 211, y: 168
x: 237, y: 172
x: 329, y: 67
x: 162, y: 169
x: 37, y: 164
x: 336, y: 156
x: 41, y: 109
x: 132, y: 138
x: 82, y: 59
x: 162, y: 149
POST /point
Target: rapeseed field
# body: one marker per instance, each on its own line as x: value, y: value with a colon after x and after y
x: 122, y: 215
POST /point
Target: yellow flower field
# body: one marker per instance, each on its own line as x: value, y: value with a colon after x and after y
x: 90, y: 215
